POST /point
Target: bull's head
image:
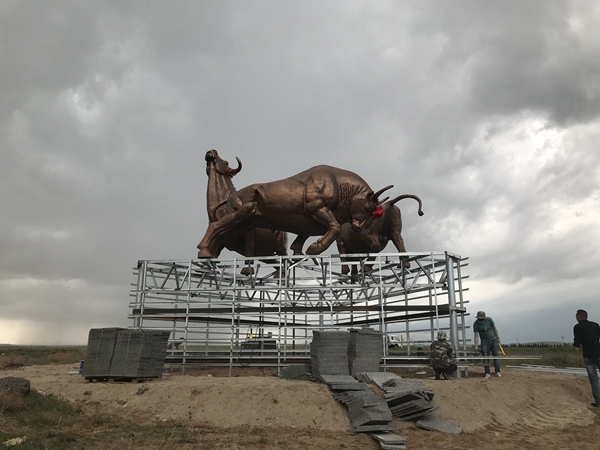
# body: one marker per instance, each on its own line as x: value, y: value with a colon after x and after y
x: 363, y: 208
x: 376, y: 228
x: 221, y: 166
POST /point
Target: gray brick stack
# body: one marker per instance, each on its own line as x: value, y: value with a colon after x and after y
x: 124, y: 353
x: 345, y: 353
x: 365, y: 350
x: 329, y: 353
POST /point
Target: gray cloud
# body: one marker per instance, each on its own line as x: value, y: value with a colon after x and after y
x: 487, y: 111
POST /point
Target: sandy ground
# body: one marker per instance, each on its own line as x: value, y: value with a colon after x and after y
x: 525, y: 410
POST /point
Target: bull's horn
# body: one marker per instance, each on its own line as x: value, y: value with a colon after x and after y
x: 381, y: 191
x: 400, y: 197
x: 236, y: 171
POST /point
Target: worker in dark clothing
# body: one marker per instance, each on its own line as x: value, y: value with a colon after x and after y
x: 587, y: 335
x: 442, y: 357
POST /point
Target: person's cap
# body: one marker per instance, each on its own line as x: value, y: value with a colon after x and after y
x: 481, y: 315
x: 441, y: 335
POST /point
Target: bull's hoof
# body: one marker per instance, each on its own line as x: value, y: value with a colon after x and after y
x: 345, y: 269
x: 247, y: 271
x: 205, y: 254
x: 406, y: 264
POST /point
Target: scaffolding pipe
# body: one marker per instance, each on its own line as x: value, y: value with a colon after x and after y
x: 452, y: 305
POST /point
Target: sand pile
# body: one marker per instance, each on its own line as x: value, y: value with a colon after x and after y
x: 524, y: 401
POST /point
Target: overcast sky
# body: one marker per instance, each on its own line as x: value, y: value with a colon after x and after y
x: 489, y: 111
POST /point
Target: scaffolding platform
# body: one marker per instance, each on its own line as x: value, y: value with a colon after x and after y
x: 257, y: 312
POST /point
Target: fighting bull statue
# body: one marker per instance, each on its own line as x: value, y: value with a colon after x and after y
x: 375, y: 234
x: 312, y: 203
x: 258, y: 242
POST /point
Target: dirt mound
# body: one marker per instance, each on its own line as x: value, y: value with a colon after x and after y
x: 509, y: 409
x: 527, y: 399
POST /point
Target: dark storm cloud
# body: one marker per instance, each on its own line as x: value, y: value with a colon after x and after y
x: 487, y: 111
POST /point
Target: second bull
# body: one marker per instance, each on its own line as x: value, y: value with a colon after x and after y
x: 375, y: 234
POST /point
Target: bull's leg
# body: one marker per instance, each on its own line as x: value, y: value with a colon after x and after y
x: 396, y: 237
x: 209, y: 245
x: 280, y: 243
x: 297, y: 245
x: 249, y: 241
x: 326, y: 217
x: 341, y: 245
x: 354, y: 274
x: 369, y: 267
x: 399, y: 244
x: 345, y: 267
x: 206, y: 247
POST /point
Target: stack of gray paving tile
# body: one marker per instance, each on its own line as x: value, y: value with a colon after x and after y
x: 329, y: 353
x: 296, y: 372
x: 365, y: 350
x: 366, y: 410
x: 343, y: 383
x: 139, y: 354
x: 407, y: 399
x: 100, y: 351
x: 123, y: 353
x: 382, y: 380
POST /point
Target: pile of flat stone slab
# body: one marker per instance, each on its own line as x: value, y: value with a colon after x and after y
x: 344, y: 353
x: 406, y: 399
x: 368, y: 412
x: 120, y: 353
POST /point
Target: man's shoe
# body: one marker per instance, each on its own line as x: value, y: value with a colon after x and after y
x: 487, y: 375
x: 498, y: 374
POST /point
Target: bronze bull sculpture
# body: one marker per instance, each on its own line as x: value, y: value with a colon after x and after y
x: 258, y: 242
x: 312, y: 203
x: 375, y: 234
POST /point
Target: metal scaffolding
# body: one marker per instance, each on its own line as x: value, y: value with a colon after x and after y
x: 262, y: 311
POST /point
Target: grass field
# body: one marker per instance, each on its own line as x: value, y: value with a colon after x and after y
x: 51, y: 423
x: 22, y: 355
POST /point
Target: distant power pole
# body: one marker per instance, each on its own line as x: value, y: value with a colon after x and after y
x: 563, y: 339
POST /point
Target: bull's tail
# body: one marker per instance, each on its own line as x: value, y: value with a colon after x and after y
x: 401, y: 197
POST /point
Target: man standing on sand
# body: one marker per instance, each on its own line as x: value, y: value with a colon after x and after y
x: 587, y: 335
x: 485, y: 328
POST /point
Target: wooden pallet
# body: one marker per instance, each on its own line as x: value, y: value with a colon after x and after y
x: 117, y: 379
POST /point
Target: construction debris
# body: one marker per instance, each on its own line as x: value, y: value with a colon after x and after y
x: 407, y: 399
x: 365, y: 407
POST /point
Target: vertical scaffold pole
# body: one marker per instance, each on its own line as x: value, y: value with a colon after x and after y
x: 452, y: 305
x: 140, y: 293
